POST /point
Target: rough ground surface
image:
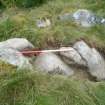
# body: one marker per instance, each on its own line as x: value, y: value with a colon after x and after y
x: 34, y: 88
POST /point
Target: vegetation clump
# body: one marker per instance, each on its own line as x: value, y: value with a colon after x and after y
x: 21, y: 3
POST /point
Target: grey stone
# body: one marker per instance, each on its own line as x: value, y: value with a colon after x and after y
x: 51, y: 63
x: 72, y: 56
x: 15, y: 58
x: 95, y: 61
x: 84, y: 17
x: 19, y: 44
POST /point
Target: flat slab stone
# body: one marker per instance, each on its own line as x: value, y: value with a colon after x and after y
x: 51, y: 63
x: 72, y: 56
x: 95, y: 61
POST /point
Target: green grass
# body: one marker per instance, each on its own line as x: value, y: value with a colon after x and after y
x: 22, y: 23
x: 33, y: 88
x: 21, y: 3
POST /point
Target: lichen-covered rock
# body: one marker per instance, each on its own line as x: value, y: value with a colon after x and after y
x: 93, y: 58
x: 17, y: 43
x: 73, y: 56
x: 51, y: 63
x: 15, y: 58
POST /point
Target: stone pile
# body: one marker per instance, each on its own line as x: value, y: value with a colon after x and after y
x: 79, y: 54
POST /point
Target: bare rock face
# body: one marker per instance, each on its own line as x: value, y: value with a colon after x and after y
x: 17, y: 43
x: 72, y: 56
x: 95, y: 61
x: 51, y: 63
x: 15, y: 58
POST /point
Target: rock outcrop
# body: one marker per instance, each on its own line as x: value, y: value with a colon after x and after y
x: 79, y: 54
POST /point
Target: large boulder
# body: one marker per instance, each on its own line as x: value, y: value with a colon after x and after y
x: 93, y: 58
x: 51, y: 63
x: 15, y: 58
x: 19, y: 44
x: 72, y: 56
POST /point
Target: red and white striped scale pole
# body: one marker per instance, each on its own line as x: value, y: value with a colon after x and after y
x: 37, y: 52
